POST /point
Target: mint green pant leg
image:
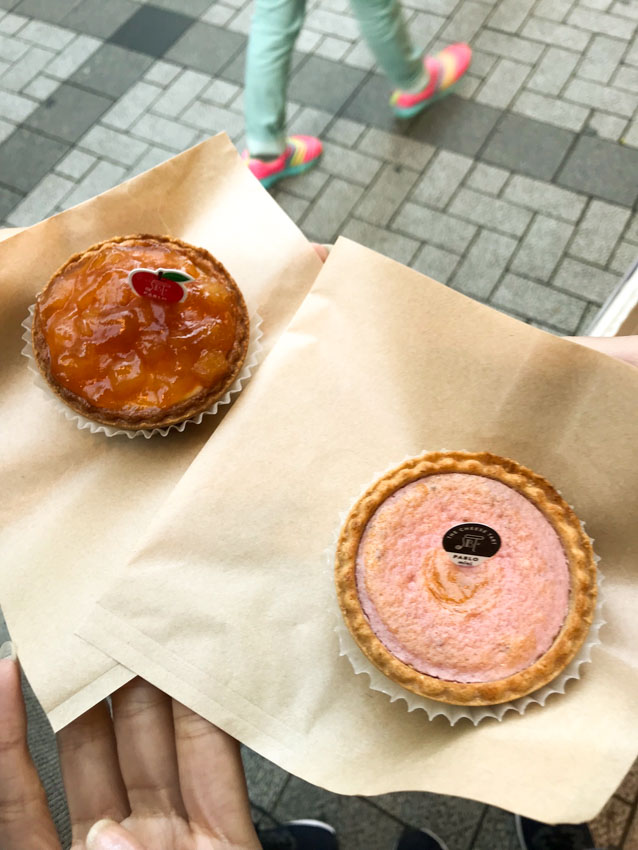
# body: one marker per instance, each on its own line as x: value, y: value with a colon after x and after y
x: 273, y: 32
x: 383, y: 27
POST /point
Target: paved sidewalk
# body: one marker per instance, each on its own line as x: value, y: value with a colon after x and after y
x: 519, y: 190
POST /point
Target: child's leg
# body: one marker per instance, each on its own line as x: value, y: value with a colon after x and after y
x: 274, y: 29
x: 384, y: 29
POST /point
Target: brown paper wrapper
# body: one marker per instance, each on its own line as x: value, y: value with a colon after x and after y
x: 75, y: 505
x: 237, y: 621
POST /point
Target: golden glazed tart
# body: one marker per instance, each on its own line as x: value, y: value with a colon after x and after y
x: 466, y: 578
x: 140, y: 331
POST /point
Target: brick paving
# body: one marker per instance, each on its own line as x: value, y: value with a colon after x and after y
x: 520, y: 190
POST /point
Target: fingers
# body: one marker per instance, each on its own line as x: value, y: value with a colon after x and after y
x: 321, y: 251
x: 25, y: 821
x: 212, y: 779
x: 143, y: 723
x: 90, y: 770
x: 108, y: 835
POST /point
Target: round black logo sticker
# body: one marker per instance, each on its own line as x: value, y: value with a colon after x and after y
x: 471, y: 543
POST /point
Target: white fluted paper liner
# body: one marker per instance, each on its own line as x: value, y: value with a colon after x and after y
x: 252, y: 359
x: 453, y: 713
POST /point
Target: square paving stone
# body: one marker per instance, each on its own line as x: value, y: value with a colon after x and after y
x: 370, y: 106
x: 456, y: 124
x: 528, y: 146
x: 324, y: 84
x: 151, y: 30
x: 359, y: 825
x: 25, y: 157
x: 8, y: 4
x: 111, y: 70
x: 45, y: 10
x: 206, y: 48
x: 8, y: 200
x: 187, y: 7
x: 603, y: 169
x: 69, y: 112
x: 100, y: 19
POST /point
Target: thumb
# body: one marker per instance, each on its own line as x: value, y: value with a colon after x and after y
x: 108, y: 835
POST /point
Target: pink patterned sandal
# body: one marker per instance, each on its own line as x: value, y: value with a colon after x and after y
x: 302, y: 152
x: 445, y: 69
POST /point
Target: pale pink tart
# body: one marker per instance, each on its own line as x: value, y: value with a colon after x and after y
x: 466, y: 578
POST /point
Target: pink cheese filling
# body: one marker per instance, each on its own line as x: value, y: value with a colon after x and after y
x: 463, y: 624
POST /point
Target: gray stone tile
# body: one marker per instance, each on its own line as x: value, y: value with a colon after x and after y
x: 452, y: 818
x: 444, y: 231
x: 41, y: 87
x: 607, y: 126
x: 424, y: 27
x: 624, y: 257
x: 46, y: 35
x: 112, y: 144
x: 207, y: 48
x: 466, y: 21
x: 187, y: 7
x: 528, y: 146
x: 627, y: 78
x: 441, y: 179
x: 151, y: 30
x: 490, y: 212
x: 542, y: 247
x: 394, y: 148
x: 601, y: 168
x: 45, y: 10
x: 220, y: 92
x: 632, y: 231
x: 234, y: 70
x: 510, y: 14
x: 498, y: 830
x: 28, y: 66
x: 586, y: 281
x: 555, y: 10
x: 154, y: 156
x: 536, y: 301
x: 307, y: 185
x: 95, y: 17
x: 503, y: 83
x: 345, y: 132
x: 359, y: 825
x: 308, y: 121
x: 331, y: 209
x: 6, y: 128
x: 264, y: 779
x: 551, y: 110
x: 332, y: 23
x: 171, y: 134
x: 601, y: 58
x: 11, y: 48
x: 207, y: 117
x: 435, y: 263
x: 41, y: 201
x: 386, y: 195
x: 132, y: 105
x: 16, y: 108
x: 8, y: 199
x: 553, y: 33
x: 324, y: 84
x: 553, y: 71
x: 74, y: 55
x: 484, y: 264
x: 487, y: 178
x: 75, y: 164
x: 545, y: 198
x: 111, y: 70
x: 510, y: 46
x: 68, y: 113
x: 601, y: 97
x: 599, y: 22
x: 181, y: 93
x: 599, y: 232
x: 104, y: 176
x: 25, y: 157
x: 371, y: 106
x: 10, y: 24
x: 218, y: 14
x: 400, y: 248
x: 456, y: 124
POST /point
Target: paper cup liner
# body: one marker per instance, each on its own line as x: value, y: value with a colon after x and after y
x: 453, y: 713
x: 253, y: 356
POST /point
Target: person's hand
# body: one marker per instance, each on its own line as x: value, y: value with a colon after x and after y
x: 621, y: 347
x: 154, y: 777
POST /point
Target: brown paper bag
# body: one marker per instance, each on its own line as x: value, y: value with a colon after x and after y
x: 74, y: 503
x: 229, y: 605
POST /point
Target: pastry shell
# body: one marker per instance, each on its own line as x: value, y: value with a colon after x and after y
x: 576, y: 544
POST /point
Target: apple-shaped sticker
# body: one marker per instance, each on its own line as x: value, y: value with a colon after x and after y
x: 165, y: 285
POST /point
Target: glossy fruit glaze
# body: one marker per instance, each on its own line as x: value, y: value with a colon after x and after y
x: 124, y: 352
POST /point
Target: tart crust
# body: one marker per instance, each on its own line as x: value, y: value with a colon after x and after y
x: 176, y: 413
x: 576, y: 544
